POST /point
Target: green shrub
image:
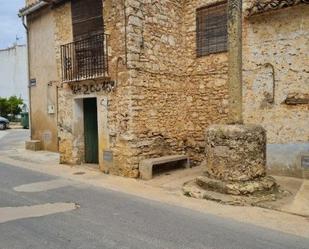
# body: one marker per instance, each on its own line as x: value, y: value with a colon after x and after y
x: 10, y: 107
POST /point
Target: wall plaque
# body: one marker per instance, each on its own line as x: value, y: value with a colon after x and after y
x: 32, y: 82
x: 305, y: 162
x: 107, y: 155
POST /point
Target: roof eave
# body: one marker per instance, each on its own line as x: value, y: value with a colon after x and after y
x: 36, y: 6
x: 32, y: 8
x: 261, y: 6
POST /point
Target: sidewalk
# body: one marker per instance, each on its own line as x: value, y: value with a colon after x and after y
x: 167, y: 188
x: 295, y: 203
x: 15, y: 125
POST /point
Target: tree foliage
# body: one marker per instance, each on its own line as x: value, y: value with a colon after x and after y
x: 10, y: 107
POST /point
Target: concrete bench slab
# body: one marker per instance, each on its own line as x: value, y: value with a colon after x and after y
x: 34, y: 145
x: 146, y: 166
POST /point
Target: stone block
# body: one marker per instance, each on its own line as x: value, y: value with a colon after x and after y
x: 235, y: 152
x: 146, y: 166
x: 260, y: 186
x: 34, y: 145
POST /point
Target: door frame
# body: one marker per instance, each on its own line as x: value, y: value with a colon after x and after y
x: 78, y: 130
x: 91, y: 136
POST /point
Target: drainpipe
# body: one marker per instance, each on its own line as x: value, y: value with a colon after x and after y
x: 28, y: 71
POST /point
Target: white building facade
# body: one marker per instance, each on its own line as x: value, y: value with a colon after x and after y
x: 13, y: 72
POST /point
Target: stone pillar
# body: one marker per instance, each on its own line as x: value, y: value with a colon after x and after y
x: 234, y: 29
x: 236, y: 152
x: 235, y: 167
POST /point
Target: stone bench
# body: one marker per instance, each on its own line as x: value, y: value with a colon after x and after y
x: 146, y: 166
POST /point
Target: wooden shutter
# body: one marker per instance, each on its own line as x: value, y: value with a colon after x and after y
x: 211, y: 29
x: 87, y: 18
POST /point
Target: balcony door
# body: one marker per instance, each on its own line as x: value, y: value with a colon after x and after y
x: 87, y: 18
x: 87, y: 54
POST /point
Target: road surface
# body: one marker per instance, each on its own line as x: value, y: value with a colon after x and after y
x: 12, y: 137
x: 39, y: 211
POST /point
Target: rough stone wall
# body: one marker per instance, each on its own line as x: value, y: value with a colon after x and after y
x: 275, y: 68
x: 119, y: 112
x: 175, y: 95
x: 165, y: 97
x: 113, y: 108
x: 275, y: 55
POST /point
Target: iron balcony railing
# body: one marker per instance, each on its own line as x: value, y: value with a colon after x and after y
x: 85, y: 59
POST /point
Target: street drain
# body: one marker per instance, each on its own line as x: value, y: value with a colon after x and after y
x: 79, y: 173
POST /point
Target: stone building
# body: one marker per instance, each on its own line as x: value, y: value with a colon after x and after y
x: 276, y: 80
x: 124, y: 80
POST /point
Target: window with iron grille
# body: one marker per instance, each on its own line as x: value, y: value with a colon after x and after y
x: 211, y: 29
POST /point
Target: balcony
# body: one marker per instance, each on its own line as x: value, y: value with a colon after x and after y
x: 85, y: 59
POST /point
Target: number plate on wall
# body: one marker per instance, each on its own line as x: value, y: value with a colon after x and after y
x: 32, y: 82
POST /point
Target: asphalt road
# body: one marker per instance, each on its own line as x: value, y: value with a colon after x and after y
x: 11, y: 137
x: 108, y: 219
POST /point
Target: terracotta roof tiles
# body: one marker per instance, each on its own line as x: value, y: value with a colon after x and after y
x: 263, y: 6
